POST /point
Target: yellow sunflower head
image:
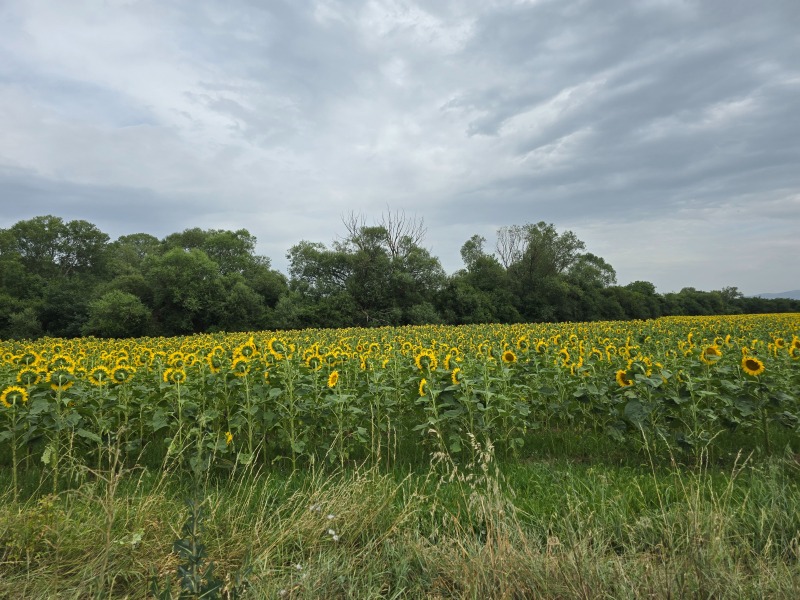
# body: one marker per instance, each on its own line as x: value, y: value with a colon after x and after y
x: 29, y: 377
x: 61, y: 379
x: 61, y: 361
x: 423, y: 387
x: 333, y: 379
x: 509, y: 357
x: 29, y: 358
x: 622, y: 378
x: 99, y: 376
x: 710, y: 355
x: 122, y: 374
x: 174, y: 375
x: 13, y: 395
x: 214, y: 362
x: 425, y: 359
x: 752, y: 366
x: 314, y: 361
x: 240, y: 366
x: 456, y: 376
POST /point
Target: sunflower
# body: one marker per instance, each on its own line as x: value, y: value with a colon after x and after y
x: 240, y: 366
x: 61, y: 379
x: 122, y: 374
x: 314, y: 361
x: 61, y: 361
x: 144, y: 357
x: 248, y: 349
x: 710, y: 355
x: 214, y: 362
x: 174, y: 375
x: 565, y: 357
x: 425, y: 359
x: 752, y: 366
x: 451, y: 360
x: 13, y: 395
x: 456, y: 376
x: 423, y: 387
x: 276, y: 348
x: 29, y: 358
x: 333, y: 379
x: 29, y: 377
x: 228, y: 438
x: 99, y: 376
x: 622, y: 378
x: 509, y: 357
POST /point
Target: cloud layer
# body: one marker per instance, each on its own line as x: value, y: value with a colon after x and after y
x: 664, y: 133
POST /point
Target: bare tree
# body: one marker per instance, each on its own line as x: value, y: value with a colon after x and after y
x: 353, y: 222
x: 402, y: 231
x: 510, y: 246
x: 399, y: 232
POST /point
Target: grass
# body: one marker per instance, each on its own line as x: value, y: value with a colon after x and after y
x: 569, y: 519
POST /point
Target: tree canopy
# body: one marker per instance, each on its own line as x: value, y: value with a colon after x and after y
x: 68, y: 278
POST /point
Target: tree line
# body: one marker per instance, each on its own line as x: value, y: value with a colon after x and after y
x: 68, y: 278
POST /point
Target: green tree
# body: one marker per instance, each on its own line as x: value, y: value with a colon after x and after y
x: 188, y: 292
x: 117, y: 314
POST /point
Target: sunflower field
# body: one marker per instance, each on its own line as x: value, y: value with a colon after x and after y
x: 217, y: 400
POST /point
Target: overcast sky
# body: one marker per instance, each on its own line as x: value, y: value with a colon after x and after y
x: 664, y: 133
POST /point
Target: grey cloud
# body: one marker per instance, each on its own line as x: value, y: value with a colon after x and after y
x: 282, y: 116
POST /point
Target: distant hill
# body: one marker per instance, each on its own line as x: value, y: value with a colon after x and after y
x: 793, y: 294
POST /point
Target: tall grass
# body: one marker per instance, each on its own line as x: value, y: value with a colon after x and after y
x: 553, y: 528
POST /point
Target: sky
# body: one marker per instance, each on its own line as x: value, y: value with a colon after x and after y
x: 664, y: 133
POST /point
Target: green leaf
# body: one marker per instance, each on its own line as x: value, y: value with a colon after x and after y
x: 635, y: 412
x: 89, y: 435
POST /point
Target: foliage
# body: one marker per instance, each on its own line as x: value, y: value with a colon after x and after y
x: 66, y: 278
